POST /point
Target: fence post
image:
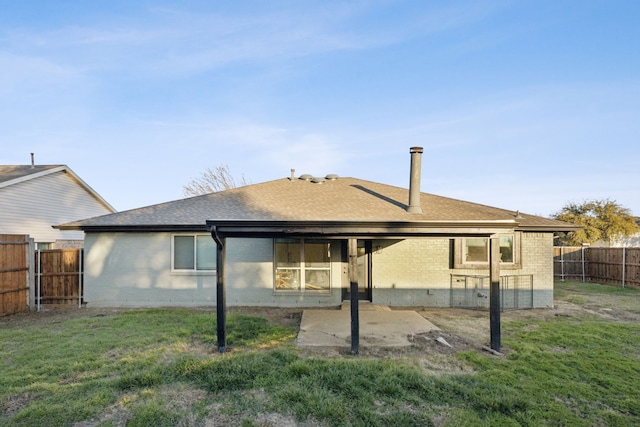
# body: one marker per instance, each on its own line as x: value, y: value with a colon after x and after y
x: 31, y: 278
x: 583, y: 265
x: 39, y: 279
x: 80, y: 278
x: 562, y: 263
x: 624, y: 266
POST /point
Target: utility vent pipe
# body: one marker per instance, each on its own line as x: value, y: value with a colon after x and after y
x: 415, y: 206
x: 33, y: 161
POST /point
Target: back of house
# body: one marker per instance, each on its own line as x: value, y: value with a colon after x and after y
x: 300, y: 241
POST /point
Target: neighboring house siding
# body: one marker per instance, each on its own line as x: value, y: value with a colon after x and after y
x: 621, y: 242
x: 34, y: 206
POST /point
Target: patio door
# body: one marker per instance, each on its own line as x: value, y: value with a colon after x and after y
x: 364, y: 273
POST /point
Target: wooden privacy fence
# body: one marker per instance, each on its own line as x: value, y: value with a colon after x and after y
x: 59, y: 277
x: 618, y: 265
x: 569, y: 263
x: 15, y: 273
x: 30, y: 279
x: 609, y: 265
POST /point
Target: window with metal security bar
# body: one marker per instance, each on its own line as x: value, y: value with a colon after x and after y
x: 473, y: 253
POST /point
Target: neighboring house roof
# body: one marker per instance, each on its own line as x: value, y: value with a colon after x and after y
x: 15, y: 174
x: 343, y: 200
x: 34, y: 198
x: 20, y: 172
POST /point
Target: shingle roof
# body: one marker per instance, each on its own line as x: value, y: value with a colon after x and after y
x: 9, y: 173
x: 343, y: 199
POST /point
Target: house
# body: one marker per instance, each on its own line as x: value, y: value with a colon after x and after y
x: 302, y: 241
x: 34, y: 198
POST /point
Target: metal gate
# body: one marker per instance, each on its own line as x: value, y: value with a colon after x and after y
x: 472, y: 291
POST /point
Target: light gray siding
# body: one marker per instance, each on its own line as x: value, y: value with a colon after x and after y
x: 134, y: 269
x: 33, y: 206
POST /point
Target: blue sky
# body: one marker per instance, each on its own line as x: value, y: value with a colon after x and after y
x: 524, y: 105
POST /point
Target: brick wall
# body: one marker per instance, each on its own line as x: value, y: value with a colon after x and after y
x: 423, y: 268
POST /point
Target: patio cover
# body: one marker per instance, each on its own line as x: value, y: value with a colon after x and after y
x: 352, y: 231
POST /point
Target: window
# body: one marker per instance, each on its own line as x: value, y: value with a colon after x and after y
x: 193, y: 253
x: 302, y: 265
x: 474, y: 252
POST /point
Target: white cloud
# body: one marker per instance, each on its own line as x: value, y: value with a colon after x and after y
x: 176, y: 41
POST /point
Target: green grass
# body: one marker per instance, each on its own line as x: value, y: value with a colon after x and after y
x: 603, y: 296
x: 60, y: 373
x: 160, y: 367
x: 594, y: 288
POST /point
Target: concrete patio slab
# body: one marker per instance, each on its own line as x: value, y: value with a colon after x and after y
x: 379, y: 327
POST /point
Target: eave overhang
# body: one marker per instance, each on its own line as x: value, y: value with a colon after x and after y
x: 132, y: 228
x: 337, y: 228
x: 550, y: 228
x: 361, y: 229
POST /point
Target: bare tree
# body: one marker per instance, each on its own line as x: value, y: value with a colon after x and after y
x: 213, y: 180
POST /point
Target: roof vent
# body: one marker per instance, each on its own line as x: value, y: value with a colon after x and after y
x: 306, y: 177
x: 331, y: 177
x: 318, y: 180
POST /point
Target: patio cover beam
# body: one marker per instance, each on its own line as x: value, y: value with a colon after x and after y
x: 361, y: 229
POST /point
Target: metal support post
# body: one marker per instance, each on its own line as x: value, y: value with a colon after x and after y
x: 353, y: 283
x: 494, y: 301
x: 221, y: 295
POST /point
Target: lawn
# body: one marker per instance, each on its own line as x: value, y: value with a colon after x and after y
x: 160, y: 367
